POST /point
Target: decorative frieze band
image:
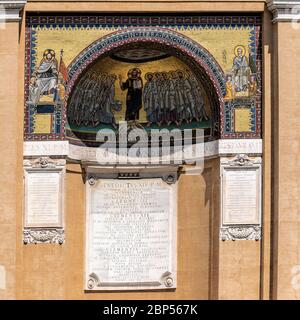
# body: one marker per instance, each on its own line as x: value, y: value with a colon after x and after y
x: 10, y: 10
x: 284, y: 10
x: 222, y: 147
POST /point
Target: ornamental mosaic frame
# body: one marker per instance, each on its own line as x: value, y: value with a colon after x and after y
x: 47, y: 121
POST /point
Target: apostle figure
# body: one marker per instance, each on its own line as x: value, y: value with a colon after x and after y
x: 160, y: 108
x: 185, y: 98
x: 34, y: 92
x: 229, y: 88
x: 88, y: 97
x: 77, y: 98
x: 198, y: 109
x: 105, y: 114
x: 47, y: 72
x: 150, y: 98
x: 134, y: 87
x: 173, y: 116
x: 240, y: 69
x: 252, y: 85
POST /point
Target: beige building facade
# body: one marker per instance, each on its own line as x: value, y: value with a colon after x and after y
x: 237, y: 228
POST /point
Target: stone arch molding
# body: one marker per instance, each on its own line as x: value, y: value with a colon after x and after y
x: 169, y: 40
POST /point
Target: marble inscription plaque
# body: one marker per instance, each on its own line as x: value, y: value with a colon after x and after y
x: 42, y: 199
x: 241, y: 194
x: 131, y: 235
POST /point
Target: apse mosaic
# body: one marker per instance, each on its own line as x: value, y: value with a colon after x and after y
x: 84, y: 73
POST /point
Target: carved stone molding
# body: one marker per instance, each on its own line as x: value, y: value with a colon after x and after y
x: 10, y: 10
x: 43, y: 236
x: 46, y: 148
x: 211, y: 149
x: 44, y: 163
x: 240, y: 233
x: 168, y: 174
x: 241, y: 160
x: 284, y: 10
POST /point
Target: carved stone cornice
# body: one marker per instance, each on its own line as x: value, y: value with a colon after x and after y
x: 10, y: 10
x: 284, y: 10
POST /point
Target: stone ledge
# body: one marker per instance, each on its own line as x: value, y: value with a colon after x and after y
x: 283, y: 10
x: 10, y: 10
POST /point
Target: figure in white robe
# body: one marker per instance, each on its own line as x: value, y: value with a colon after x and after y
x: 240, y: 70
x: 47, y: 73
x: 34, y: 92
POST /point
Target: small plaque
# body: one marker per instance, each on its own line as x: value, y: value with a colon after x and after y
x: 131, y: 234
x: 43, y: 123
x: 42, y: 201
x: 242, y: 118
x: 241, y: 196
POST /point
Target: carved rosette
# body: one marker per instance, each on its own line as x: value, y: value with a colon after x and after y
x: 240, y: 233
x: 43, y: 236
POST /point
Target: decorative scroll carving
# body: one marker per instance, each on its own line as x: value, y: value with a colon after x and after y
x: 167, y: 279
x: 240, y: 233
x: 44, y: 162
x: 240, y: 160
x: 44, y: 236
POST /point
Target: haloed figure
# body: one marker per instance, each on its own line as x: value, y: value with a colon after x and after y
x: 134, y: 87
x: 150, y: 98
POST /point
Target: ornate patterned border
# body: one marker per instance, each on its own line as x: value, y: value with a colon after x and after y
x: 74, y: 20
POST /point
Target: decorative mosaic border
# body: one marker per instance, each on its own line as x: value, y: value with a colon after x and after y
x: 141, y: 20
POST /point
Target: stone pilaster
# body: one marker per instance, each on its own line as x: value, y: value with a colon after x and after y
x: 285, y: 264
x: 10, y: 145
